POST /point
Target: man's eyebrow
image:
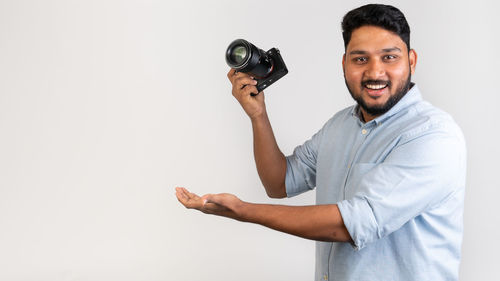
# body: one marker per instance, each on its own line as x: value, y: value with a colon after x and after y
x: 358, y: 52
x: 393, y: 49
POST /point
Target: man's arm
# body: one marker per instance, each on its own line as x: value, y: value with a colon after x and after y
x: 321, y: 223
x: 270, y: 161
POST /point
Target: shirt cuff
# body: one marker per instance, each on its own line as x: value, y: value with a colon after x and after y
x: 292, y: 180
x: 359, y: 220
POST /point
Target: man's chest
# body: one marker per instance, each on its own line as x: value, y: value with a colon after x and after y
x: 344, y: 156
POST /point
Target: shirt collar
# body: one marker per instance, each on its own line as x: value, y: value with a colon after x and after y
x: 412, y: 96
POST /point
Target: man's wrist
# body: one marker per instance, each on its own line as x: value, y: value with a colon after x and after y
x: 259, y: 118
x: 243, y: 211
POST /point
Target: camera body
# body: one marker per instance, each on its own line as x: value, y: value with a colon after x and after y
x: 265, y: 67
x: 279, y: 70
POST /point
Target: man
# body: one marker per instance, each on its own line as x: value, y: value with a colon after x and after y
x: 389, y: 172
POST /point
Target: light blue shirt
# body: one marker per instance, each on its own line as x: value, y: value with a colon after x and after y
x: 399, y: 182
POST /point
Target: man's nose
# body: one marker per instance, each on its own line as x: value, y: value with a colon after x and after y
x: 375, y: 70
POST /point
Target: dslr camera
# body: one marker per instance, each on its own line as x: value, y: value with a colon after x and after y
x: 265, y: 67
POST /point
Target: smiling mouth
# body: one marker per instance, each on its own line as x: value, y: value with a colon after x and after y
x: 376, y: 86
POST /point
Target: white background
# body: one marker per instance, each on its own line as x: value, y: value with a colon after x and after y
x: 106, y: 106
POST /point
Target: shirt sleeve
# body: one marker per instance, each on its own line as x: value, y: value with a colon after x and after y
x: 420, y: 173
x: 301, y: 166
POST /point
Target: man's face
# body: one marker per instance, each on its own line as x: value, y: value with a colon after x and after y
x: 377, y: 69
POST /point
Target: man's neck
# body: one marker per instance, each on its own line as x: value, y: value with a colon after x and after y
x: 366, y: 117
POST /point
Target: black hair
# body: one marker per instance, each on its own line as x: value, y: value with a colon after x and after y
x: 384, y: 16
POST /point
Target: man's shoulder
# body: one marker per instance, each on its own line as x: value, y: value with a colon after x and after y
x: 342, y: 116
x: 424, y: 118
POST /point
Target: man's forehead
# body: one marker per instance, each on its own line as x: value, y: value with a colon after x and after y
x: 374, y: 39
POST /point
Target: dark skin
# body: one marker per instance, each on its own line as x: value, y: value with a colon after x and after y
x: 376, y: 54
x: 321, y: 223
x: 372, y: 54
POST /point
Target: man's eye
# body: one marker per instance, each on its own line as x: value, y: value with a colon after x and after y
x: 390, y: 57
x: 360, y: 60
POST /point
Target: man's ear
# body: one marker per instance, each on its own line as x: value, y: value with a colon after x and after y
x: 343, y: 62
x: 412, y: 56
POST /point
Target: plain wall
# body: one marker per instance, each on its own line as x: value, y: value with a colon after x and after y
x: 106, y: 106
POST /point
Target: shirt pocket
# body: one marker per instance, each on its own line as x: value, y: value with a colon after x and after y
x: 354, y: 178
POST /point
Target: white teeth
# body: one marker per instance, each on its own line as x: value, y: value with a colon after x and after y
x: 375, y: 87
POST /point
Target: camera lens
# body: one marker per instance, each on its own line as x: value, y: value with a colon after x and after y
x: 245, y: 57
x: 239, y: 54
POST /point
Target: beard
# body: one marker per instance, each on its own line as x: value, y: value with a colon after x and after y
x: 393, y: 99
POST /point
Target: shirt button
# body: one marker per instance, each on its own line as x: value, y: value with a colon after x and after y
x: 364, y: 131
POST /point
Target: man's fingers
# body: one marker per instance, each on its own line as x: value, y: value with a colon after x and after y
x: 252, y: 90
x: 241, y: 90
x: 241, y: 82
x: 231, y: 73
x: 215, y: 204
x: 180, y: 193
x: 184, y: 193
x: 188, y: 199
x: 235, y: 76
x: 182, y: 196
